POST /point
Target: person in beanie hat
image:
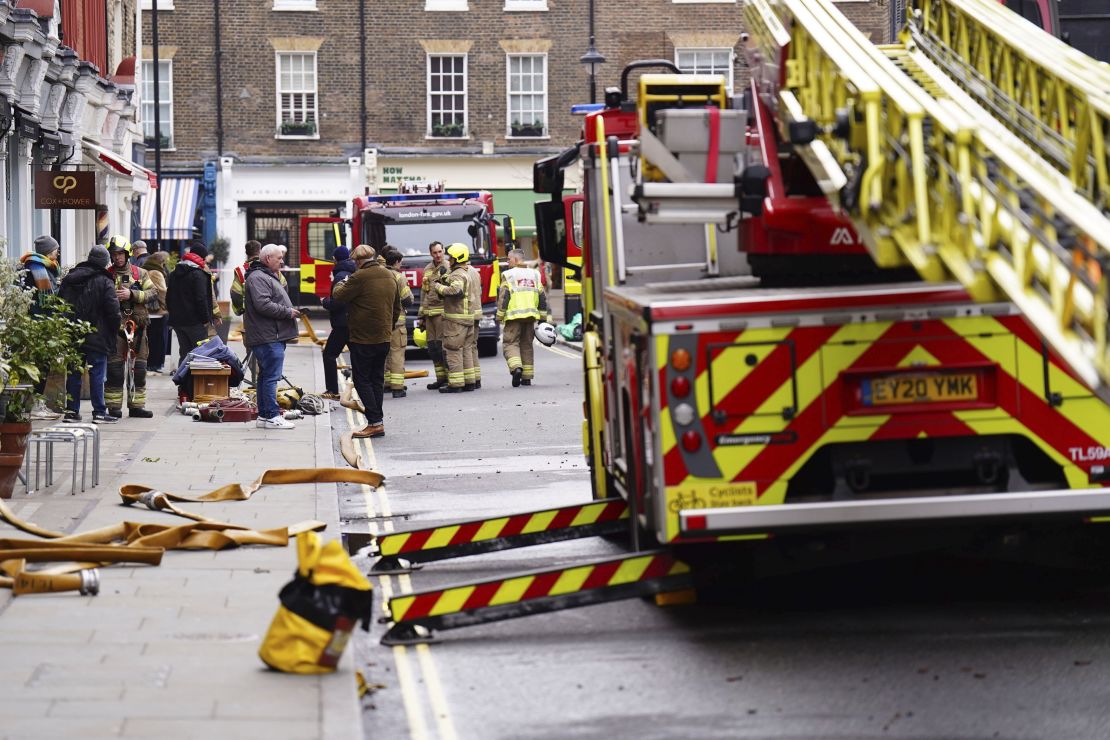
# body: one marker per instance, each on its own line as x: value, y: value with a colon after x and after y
x: 189, y: 300
x: 40, y: 271
x: 90, y: 290
x: 337, y: 316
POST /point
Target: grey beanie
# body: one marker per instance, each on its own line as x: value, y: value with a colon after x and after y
x: 45, y: 244
x: 98, y: 257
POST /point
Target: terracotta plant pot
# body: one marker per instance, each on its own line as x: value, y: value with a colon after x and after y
x: 13, y: 437
x: 10, y: 463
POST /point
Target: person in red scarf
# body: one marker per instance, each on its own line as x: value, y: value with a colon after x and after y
x: 189, y: 300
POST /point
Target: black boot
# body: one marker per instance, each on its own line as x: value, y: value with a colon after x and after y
x: 468, y: 387
x: 526, y: 381
x: 477, y: 384
x: 450, y: 389
x: 518, y: 372
x: 438, y: 385
x: 399, y: 394
x: 140, y: 413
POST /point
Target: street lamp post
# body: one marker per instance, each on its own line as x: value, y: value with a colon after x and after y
x: 592, y: 57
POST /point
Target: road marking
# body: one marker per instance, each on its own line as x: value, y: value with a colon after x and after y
x: 564, y: 353
x: 406, y: 677
x: 435, y: 692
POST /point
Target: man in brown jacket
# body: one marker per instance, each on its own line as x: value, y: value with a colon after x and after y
x: 373, y: 305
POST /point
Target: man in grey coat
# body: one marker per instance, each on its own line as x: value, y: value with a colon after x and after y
x: 270, y: 322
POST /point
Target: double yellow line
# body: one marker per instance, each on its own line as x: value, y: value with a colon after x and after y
x: 407, y: 676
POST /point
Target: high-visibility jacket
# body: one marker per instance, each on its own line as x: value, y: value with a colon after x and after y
x: 431, y: 302
x: 404, y: 293
x: 474, y: 287
x: 454, y: 288
x: 521, y: 295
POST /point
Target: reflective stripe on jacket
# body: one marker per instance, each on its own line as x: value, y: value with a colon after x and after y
x: 404, y: 293
x: 474, y: 291
x: 431, y: 302
x: 454, y: 288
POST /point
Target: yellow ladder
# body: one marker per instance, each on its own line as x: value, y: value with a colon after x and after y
x: 937, y: 180
x: 1054, y: 97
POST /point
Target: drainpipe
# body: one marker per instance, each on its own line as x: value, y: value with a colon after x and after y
x: 157, y: 130
x: 219, y: 80
x: 361, y: 70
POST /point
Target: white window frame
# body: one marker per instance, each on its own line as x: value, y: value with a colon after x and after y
x: 294, y: 5
x: 465, y: 94
x: 438, y: 6
x: 731, y: 60
x: 162, y: 5
x: 166, y: 126
x: 509, y: 97
x: 278, y: 93
x: 525, y: 5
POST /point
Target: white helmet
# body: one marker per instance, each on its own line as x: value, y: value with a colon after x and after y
x: 545, y: 332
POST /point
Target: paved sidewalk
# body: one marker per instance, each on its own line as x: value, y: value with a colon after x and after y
x: 171, y: 651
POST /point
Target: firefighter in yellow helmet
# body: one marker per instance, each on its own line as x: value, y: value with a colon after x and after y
x: 458, y: 319
x: 470, y: 351
x: 521, y: 302
x: 134, y: 289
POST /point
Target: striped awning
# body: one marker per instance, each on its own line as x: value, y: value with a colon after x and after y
x: 179, y: 209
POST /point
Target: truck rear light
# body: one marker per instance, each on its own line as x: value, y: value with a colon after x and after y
x: 680, y: 360
x: 680, y: 387
x: 691, y: 441
x: 683, y: 414
x: 696, y: 522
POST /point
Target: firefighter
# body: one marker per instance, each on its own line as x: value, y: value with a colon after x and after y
x: 133, y: 289
x: 395, y: 363
x: 430, y: 315
x: 521, y: 301
x: 457, y: 316
x: 470, y: 356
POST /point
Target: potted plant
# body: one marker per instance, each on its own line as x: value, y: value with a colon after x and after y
x: 298, y: 128
x: 519, y: 128
x: 30, y: 346
x: 447, y: 130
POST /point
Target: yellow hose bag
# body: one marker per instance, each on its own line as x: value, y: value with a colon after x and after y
x: 319, y: 609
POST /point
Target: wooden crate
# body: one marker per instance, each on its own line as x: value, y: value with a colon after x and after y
x: 209, y: 385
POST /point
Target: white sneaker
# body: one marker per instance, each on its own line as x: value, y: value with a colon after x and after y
x: 275, y: 423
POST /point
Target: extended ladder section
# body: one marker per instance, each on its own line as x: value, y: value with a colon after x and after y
x: 936, y: 177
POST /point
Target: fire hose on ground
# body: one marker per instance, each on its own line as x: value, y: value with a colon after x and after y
x: 79, y: 555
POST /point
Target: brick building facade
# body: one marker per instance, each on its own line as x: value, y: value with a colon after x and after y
x: 468, y: 91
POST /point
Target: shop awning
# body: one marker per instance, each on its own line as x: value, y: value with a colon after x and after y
x: 179, y: 207
x: 520, y: 204
x: 117, y: 162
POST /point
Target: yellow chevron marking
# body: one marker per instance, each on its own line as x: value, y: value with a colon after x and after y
x: 392, y: 544
x: 400, y: 605
x: 918, y: 356
x: 681, y: 567
x: 571, y: 580
x: 451, y: 600
x: 630, y: 570
x: 538, y: 522
x: 491, y: 528
x: 512, y: 590
x: 441, y: 537
x: 588, y: 514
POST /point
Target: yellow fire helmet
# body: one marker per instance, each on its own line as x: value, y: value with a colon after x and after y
x: 459, y: 252
x: 119, y: 243
x: 420, y: 338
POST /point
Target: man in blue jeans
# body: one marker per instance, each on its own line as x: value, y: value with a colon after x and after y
x: 90, y: 290
x: 270, y: 321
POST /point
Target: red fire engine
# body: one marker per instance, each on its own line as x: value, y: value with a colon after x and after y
x: 421, y: 213
x: 726, y: 410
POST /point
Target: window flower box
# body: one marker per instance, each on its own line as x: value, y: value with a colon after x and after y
x: 298, y: 128
x: 447, y: 130
x: 526, y: 129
